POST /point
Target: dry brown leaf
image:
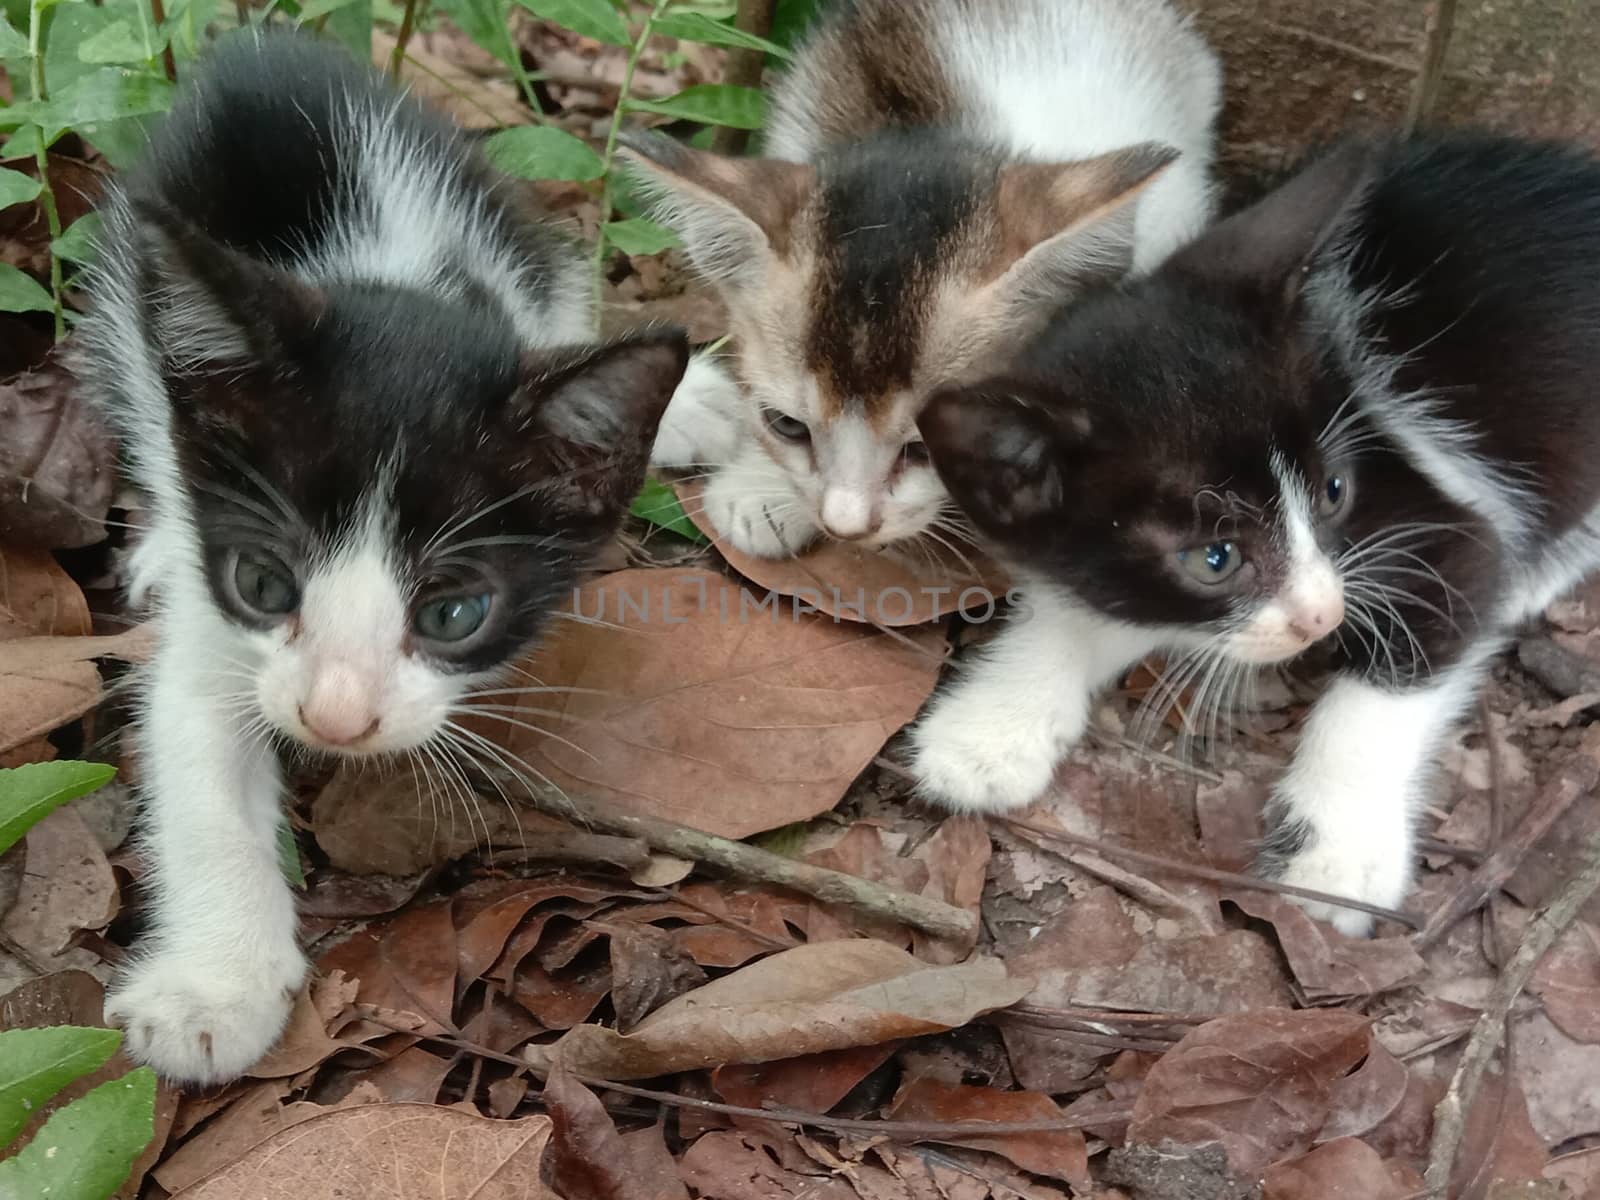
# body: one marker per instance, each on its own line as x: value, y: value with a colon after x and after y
x: 1062, y: 1155
x: 1341, y: 1170
x: 68, y: 886
x: 406, y: 965
x: 38, y: 598
x: 705, y: 711
x: 1366, y: 1097
x: 1568, y: 981
x: 813, y: 1083
x: 413, y: 1076
x: 648, y: 969
x: 590, y: 1160
x: 756, y: 1165
x: 48, y: 681
x: 1260, y: 1083
x: 56, y: 463
x: 802, y: 1001
x: 487, y: 917
x: 421, y: 1152
x: 1326, y: 964
x: 895, y: 586
x: 305, y: 1043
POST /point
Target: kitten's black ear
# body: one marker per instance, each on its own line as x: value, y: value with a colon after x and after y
x: 589, y: 418
x: 732, y: 213
x: 1064, y: 226
x: 1268, y: 245
x: 212, y: 307
x: 1000, y: 455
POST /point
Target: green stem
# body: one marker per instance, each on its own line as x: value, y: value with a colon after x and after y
x: 408, y: 23
x: 609, y: 157
x: 47, y: 197
x: 514, y: 60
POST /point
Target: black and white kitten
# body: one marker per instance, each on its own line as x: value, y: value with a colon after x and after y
x: 345, y: 371
x: 1365, y: 409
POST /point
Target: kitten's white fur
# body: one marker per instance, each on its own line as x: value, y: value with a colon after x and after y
x: 1051, y: 80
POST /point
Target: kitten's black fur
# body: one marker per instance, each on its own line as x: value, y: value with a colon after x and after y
x: 1146, y: 414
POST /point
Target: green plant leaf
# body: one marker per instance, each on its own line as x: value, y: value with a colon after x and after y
x: 15, y: 187
x: 85, y: 1150
x: 710, y: 104
x: 119, y: 42
x: 78, y: 241
x: 698, y: 27
x: 29, y: 794
x: 24, y: 143
x: 289, y: 857
x: 592, y: 18
x: 310, y: 10
x: 105, y: 95
x: 658, y: 504
x: 20, y: 292
x: 12, y: 43
x: 35, y: 1064
x: 484, y: 21
x: 792, y: 19
x: 352, y: 25
x: 541, y: 152
x: 639, y: 235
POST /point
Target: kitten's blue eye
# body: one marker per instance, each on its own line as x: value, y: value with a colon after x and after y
x: 1211, y: 563
x: 451, y: 618
x: 1334, y: 492
x: 264, y: 585
x: 790, y: 429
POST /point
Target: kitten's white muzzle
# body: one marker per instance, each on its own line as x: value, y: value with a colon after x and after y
x: 340, y: 706
x: 1308, y: 609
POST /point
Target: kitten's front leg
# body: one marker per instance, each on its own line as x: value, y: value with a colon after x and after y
x: 1342, y: 819
x: 210, y: 989
x: 993, y: 738
x: 753, y: 503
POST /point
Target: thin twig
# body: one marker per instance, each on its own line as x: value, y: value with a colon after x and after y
x: 1425, y: 93
x: 1450, y: 1115
x: 1577, y: 777
x: 1210, y: 874
x: 749, y: 862
x: 1115, y: 1114
x: 745, y: 67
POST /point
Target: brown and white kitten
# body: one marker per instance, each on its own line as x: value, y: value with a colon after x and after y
x: 940, y: 174
x: 1362, y: 412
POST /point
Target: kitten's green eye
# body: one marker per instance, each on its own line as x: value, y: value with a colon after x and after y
x: 790, y: 429
x: 264, y: 585
x: 451, y: 618
x: 1212, y: 563
x: 1334, y: 494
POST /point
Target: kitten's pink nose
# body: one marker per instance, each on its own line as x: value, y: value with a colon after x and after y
x: 848, y: 514
x: 340, y: 707
x: 1318, y: 619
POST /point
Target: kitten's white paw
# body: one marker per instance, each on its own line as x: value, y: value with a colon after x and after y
x: 1375, y: 870
x: 964, y: 759
x: 744, y: 510
x: 198, y: 1020
x: 701, y: 426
